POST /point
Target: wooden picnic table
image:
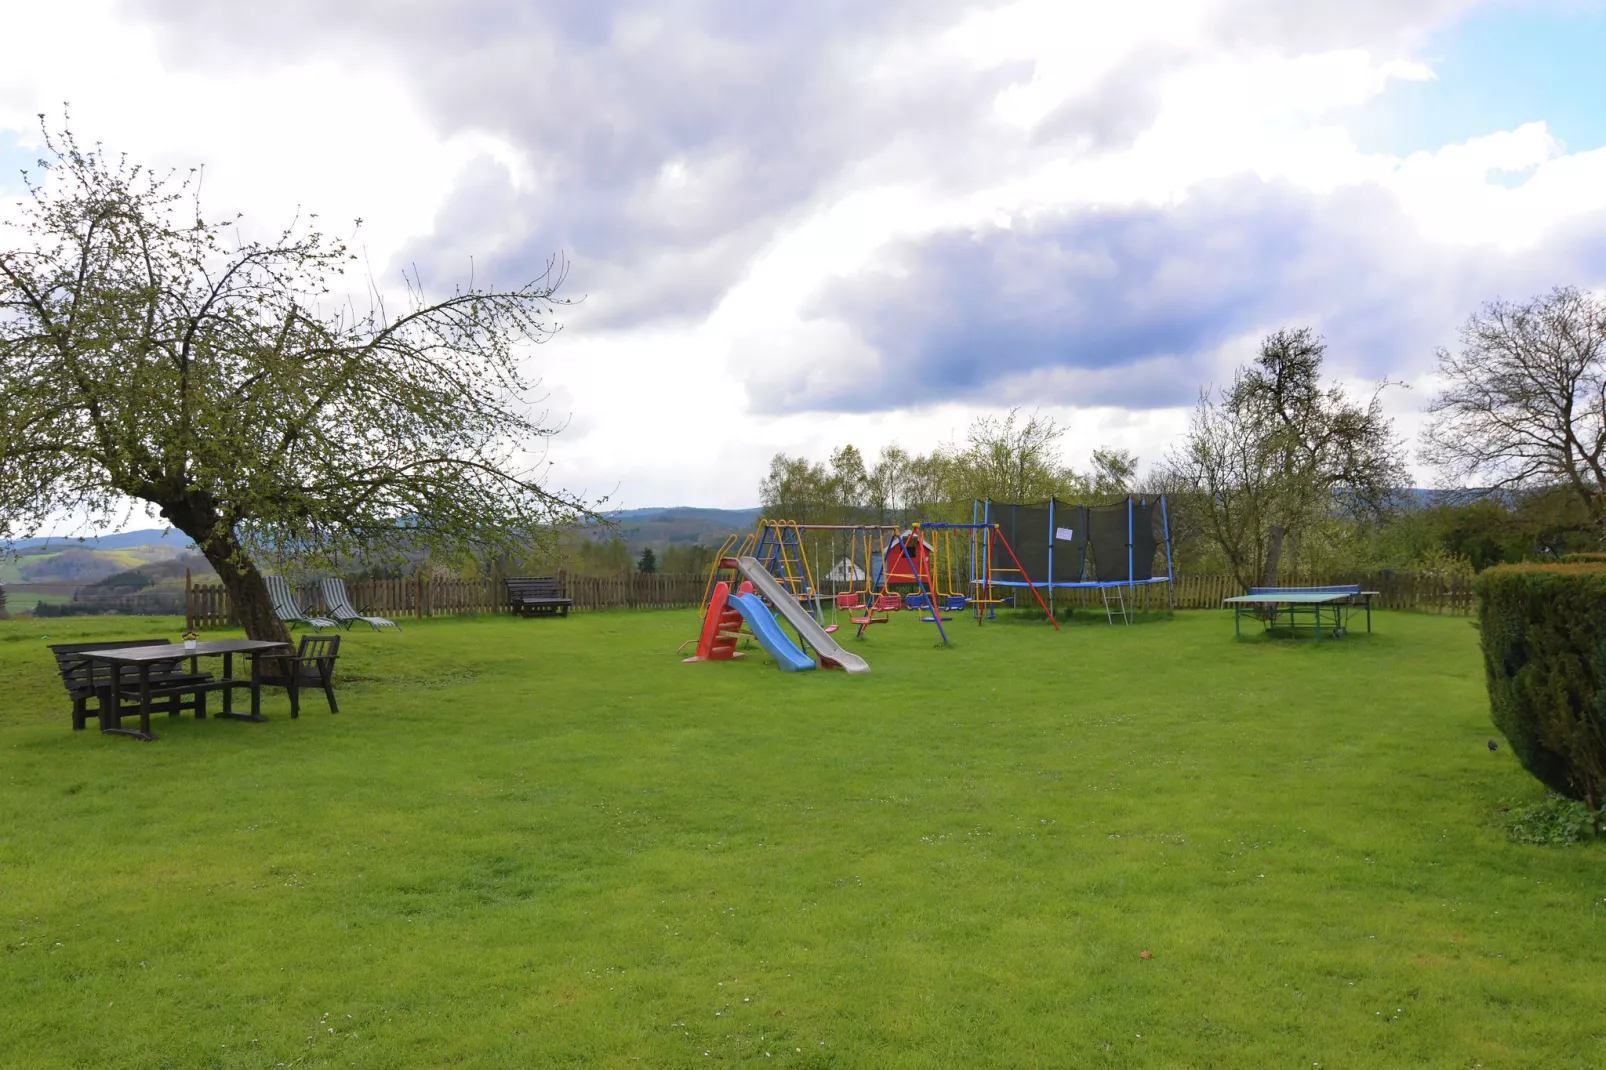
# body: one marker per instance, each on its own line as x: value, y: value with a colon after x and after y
x: 141, y: 658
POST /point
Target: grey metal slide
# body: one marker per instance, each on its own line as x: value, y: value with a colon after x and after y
x: 798, y: 617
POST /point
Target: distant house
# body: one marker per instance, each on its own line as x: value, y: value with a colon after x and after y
x: 845, y: 571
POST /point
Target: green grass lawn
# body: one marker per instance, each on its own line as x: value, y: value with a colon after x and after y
x: 548, y: 843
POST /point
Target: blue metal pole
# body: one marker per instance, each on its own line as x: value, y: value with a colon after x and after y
x: 975, y: 586
x: 986, y: 551
x: 1131, y: 588
x: 1051, y: 535
x: 1170, y: 578
x: 914, y: 568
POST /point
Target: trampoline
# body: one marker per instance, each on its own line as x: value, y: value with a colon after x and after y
x: 1110, y: 549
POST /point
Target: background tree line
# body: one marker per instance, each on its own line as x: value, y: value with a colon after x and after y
x: 1005, y: 458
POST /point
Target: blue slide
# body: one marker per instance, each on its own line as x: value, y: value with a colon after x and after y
x: 768, y: 633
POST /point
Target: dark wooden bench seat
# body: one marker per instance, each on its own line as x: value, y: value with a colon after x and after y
x: 173, y: 688
x: 536, y: 596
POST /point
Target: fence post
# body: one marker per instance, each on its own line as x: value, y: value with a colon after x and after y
x: 418, y: 593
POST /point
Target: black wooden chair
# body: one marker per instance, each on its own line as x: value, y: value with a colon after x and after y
x: 312, y: 666
x: 172, y: 689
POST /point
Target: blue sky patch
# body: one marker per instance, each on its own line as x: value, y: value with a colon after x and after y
x: 13, y: 159
x: 1502, y: 66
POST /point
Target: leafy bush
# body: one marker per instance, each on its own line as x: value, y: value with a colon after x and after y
x: 1583, y: 559
x: 1543, y: 630
x: 1556, y: 822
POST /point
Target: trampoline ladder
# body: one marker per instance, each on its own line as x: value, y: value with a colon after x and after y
x: 1120, y: 598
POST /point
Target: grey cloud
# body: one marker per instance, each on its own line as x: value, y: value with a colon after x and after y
x: 1129, y: 308
x: 1123, y: 104
x: 762, y: 106
x: 773, y: 109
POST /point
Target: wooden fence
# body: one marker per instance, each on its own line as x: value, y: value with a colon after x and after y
x: 1423, y: 592
x: 417, y: 596
x: 207, y: 604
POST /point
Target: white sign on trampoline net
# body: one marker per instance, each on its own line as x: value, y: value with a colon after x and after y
x: 1064, y: 534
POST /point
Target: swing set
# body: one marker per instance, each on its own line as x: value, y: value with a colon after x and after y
x: 949, y: 565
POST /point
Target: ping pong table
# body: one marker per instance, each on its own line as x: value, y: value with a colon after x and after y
x: 1318, y: 608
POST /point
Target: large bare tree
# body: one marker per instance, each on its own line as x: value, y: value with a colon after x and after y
x: 1524, y: 399
x: 1279, y: 453
x: 147, y: 354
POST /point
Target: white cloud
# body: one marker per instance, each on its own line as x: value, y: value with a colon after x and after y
x: 342, y: 139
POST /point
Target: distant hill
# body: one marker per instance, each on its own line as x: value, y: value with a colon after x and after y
x: 124, y: 541
x: 689, y: 512
x: 658, y: 528
x: 68, y: 561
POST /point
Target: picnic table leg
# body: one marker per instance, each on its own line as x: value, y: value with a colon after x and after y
x: 254, y: 685
x: 256, y: 688
x: 145, y: 699
x: 105, y: 707
x: 1368, y: 614
x: 228, y: 692
x: 105, y: 711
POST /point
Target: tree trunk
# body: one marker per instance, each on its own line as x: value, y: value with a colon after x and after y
x: 1274, y: 551
x: 248, y: 593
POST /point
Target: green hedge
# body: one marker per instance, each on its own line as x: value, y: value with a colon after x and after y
x: 1544, y: 653
x: 1583, y: 559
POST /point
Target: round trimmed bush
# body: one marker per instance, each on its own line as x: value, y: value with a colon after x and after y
x: 1544, y: 654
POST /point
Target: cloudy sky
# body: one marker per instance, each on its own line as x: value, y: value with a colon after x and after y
x: 797, y: 225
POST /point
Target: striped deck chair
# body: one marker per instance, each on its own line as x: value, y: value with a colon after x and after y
x: 340, y: 607
x: 288, y: 609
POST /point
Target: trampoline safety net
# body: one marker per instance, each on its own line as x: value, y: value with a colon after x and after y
x: 1025, y: 527
x: 1090, y: 544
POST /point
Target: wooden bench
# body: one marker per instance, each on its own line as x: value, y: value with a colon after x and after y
x: 536, y: 596
x: 84, y: 679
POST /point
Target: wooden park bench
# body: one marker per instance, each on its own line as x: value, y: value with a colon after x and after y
x: 170, y: 683
x: 536, y: 596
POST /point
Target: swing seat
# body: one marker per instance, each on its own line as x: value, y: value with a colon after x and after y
x: 849, y: 602
x: 886, y: 603
x: 933, y: 620
x: 829, y: 628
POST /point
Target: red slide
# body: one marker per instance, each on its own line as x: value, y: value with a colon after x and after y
x: 721, y: 627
